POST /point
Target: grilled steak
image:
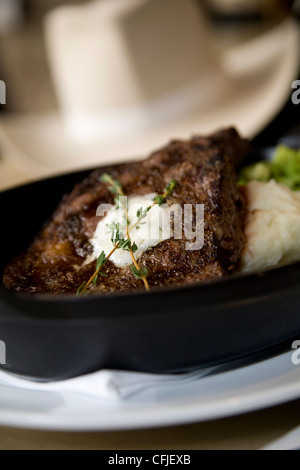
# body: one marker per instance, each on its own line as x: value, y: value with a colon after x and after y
x: 204, y: 168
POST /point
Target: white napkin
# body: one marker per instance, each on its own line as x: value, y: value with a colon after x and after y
x: 105, y: 384
x: 290, y: 441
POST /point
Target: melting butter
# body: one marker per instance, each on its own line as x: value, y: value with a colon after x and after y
x: 152, y: 230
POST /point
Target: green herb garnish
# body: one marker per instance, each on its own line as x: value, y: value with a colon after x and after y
x: 139, y: 273
x: 284, y: 167
x: 121, y: 241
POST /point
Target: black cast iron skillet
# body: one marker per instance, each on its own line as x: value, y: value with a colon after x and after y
x: 171, y: 330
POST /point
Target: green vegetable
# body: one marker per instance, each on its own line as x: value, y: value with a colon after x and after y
x: 258, y: 171
x: 284, y: 167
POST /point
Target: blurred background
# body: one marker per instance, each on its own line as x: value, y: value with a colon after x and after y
x: 23, y: 56
x: 23, y: 61
x: 44, y: 58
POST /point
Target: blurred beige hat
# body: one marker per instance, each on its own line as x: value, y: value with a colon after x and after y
x: 132, y: 74
x: 122, y: 66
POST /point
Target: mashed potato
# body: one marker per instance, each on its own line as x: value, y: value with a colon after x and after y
x: 272, y: 226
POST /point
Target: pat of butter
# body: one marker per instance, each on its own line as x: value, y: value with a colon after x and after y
x: 152, y: 230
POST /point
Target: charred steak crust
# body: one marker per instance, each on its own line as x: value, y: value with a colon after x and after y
x: 204, y: 168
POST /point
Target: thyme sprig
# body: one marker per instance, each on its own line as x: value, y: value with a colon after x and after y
x: 126, y: 244
x: 101, y: 260
x: 158, y: 200
x: 118, y: 239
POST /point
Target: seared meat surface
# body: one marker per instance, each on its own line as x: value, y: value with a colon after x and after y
x: 204, y: 168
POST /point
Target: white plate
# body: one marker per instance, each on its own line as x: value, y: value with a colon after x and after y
x: 256, y: 386
x: 253, y: 84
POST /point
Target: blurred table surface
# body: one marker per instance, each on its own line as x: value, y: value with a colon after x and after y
x: 246, y: 432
